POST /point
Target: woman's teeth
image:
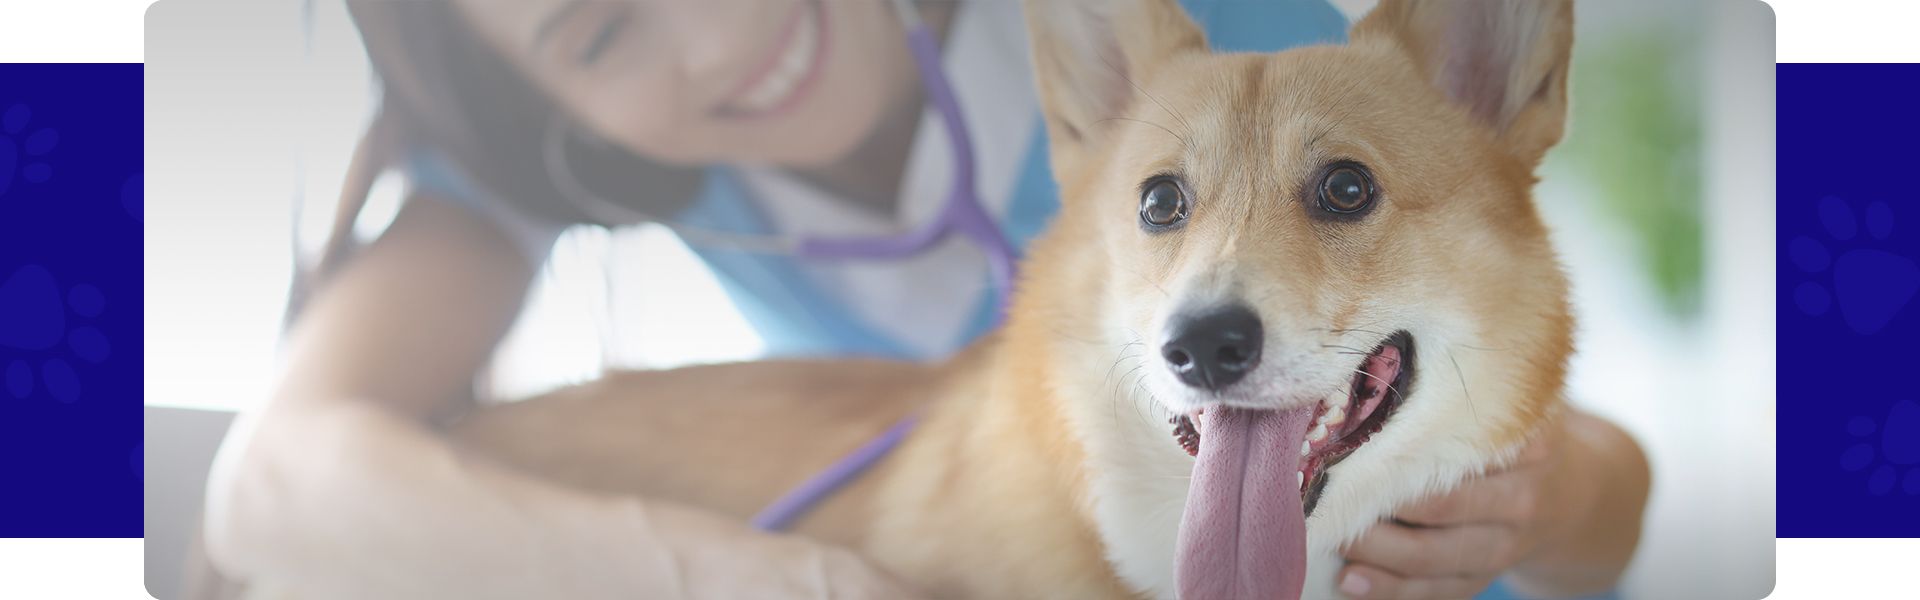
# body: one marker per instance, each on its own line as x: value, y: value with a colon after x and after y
x: 795, y: 60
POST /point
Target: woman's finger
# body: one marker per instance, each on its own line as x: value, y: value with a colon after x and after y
x: 1507, y: 498
x: 1466, y: 550
x: 1363, y: 582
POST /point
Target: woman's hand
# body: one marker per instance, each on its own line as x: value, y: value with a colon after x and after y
x: 720, y: 558
x: 1563, y: 519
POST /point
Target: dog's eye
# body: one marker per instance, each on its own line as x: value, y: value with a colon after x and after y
x: 1162, y: 204
x: 1346, y: 189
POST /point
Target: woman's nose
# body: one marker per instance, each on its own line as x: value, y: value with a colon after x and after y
x: 718, y: 36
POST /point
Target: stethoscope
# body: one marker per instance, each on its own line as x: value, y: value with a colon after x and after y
x: 962, y: 215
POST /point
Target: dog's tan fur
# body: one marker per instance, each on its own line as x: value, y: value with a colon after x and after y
x: 1043, y: 465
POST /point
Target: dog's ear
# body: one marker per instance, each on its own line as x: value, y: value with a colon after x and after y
x: 1504, y: 61
x: 1088, y: 56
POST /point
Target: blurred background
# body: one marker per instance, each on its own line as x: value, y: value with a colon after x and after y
x: 1660, y: 199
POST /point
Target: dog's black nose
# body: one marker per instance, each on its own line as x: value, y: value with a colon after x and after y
x: 1212, y: 350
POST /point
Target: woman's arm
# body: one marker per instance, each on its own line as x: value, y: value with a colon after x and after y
x: 339, y: 486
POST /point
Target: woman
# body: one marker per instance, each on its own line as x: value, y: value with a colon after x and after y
x: 514, y: 120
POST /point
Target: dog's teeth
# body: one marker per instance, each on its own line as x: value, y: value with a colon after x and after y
x: 1319, y: 433
x: 1306, y: 448
x: 1336, y: 415
x: 1300, y: 478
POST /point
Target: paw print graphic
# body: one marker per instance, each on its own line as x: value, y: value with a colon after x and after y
x: 1869, y: 286
x: 22, y: 153
x: 1898, y: 448
x: 34, y: 322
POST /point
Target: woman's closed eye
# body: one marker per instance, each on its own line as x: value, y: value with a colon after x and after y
x: 583, y: 30
x: 608, y: 34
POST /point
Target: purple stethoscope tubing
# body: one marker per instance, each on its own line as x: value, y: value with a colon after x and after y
x: 962, y: 214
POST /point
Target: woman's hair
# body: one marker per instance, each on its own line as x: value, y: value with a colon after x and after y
x: 446, y: 92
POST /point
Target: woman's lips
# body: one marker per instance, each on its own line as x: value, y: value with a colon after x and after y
x: 786, y: 74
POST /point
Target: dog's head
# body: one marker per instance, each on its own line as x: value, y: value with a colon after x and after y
x: 1331, y: 248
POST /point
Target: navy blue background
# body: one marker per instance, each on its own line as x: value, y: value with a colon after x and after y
x: 1848, y: 429
x: 69, y: 461
x: 70, y: 441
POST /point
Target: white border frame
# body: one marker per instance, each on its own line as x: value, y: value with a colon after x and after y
x: 111, y: 31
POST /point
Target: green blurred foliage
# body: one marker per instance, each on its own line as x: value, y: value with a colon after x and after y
x: 1635, y: 136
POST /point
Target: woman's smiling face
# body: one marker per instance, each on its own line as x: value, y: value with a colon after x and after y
x: 797, y: 83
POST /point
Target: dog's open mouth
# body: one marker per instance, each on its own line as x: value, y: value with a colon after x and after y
x: 1380, y: 383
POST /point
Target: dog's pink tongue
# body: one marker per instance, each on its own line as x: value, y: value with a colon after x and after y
x: 1244, y: 534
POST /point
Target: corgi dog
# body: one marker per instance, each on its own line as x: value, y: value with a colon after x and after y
x: 1286, y: 293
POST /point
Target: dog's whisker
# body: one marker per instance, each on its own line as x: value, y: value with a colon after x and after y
x: 1352, y: 330
x: 1157, y: 413
x: 1392, y: 361
x: 1131, y: 386
x: 1458, y: 374
x: 1118, y: 385
x: 1479, y: 348
x: 1118, y: 356
x: 1347, y: 348
x: 1377, y: 378
x: 1121, y: 354
x: 1116, y: 381
x: 1363, y: 328
x: 1156, y: 285
x: 1162, y: 127
x: 1142, y: 399
x: 1155, y: 99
